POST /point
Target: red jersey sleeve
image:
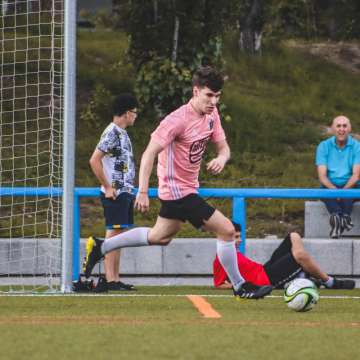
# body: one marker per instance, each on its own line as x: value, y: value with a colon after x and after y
x: 219, y: 273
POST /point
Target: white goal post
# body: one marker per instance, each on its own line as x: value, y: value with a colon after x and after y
x: 37, y: 137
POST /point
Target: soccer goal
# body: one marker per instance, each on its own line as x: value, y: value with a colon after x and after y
x: 33, y: 115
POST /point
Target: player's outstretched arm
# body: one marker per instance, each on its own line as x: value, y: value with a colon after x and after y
x: 223, y: 155
x: 146, y: 165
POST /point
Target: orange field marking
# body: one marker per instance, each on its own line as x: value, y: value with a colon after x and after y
x: 203, y: 307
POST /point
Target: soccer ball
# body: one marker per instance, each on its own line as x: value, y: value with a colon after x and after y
x: 301, y: 295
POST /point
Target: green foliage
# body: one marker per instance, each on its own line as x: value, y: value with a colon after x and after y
x: 290, y: 18
x: 103, y: 19
x: 98, y: 110
x: 156, y: 93
x: 165, y: 67
x: 337, y: 20
x: 102, y: 59
x: 163, y: 85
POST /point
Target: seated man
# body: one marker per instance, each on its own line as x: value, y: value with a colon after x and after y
x: 338, y: 166
x: 288, y: 261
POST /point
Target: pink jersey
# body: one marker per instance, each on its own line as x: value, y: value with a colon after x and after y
x: 184, y: 134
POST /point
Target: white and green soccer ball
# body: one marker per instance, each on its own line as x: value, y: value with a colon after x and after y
x: 301, y: 295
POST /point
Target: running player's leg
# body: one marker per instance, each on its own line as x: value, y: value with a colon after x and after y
x: 163, y: 231
x: 161, y: 234
x: 224, y: 230
x: 226, y: 252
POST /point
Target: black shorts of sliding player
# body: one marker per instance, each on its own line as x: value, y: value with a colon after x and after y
x: 282, y: 267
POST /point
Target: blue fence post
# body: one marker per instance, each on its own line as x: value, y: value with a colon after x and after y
x: 76, y: 238
x: 239, y: 216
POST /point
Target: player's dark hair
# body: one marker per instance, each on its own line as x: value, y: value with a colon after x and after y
x: 209, y: 77
x: 124, y: 103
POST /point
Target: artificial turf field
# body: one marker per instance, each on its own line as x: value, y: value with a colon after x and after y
x: 162, y: 323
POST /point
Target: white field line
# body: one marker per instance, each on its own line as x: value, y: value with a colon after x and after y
x: 159, y: 295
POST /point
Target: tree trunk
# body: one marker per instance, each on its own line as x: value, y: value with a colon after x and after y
x: 251, y: 29
x: 156, y: 11
x: 175, y: 39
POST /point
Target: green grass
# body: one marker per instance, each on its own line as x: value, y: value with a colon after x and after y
x: 169, y: 327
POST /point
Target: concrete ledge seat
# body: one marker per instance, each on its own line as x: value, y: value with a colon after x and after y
x: 195, y: 256
x: 317, y: 220
x: 181, y: 257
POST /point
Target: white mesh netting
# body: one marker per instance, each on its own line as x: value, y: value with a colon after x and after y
x: 31, y: 115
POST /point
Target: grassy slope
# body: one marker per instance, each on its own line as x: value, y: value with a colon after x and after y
x: 278, y: 102
x: 167, y: 327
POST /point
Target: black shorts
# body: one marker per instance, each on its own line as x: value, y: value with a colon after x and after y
x: 282, y: 266
x: 118, y: 213
x: 191, y: 208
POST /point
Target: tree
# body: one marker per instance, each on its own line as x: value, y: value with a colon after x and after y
x: 169, y: 39
x: 338, y: 19
x: 251, y: 23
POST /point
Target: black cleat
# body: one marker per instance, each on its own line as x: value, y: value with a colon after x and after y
x: 251, y: 291
x: 102, y: 286
x: 120, y: 286
x: 93, y: 254
x: 83, y: 286
x: 345, y: 284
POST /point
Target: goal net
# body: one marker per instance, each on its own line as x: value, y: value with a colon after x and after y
x: 31, y: 125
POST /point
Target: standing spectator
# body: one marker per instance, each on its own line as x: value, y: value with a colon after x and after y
x: 338, y: 166
x: 113, y: 164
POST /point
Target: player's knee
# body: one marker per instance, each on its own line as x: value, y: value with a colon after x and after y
x: 227, y: 233
x: 159, y: 241
x: 164, y: 242
x: 295, y: 237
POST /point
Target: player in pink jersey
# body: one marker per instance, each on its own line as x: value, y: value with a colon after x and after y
x: 180, y: 142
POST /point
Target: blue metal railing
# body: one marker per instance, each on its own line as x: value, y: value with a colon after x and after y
x: 238, y: 197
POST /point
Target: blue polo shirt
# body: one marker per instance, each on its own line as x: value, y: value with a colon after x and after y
x: 339, y: 161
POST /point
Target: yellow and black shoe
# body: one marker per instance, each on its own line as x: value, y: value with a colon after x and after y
x: 93, y: 254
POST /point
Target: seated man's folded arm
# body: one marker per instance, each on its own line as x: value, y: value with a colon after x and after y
x: 323, y: 178
x: 355, y: 177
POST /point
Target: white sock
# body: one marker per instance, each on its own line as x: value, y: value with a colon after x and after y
x: 301, y: 275
x: 226, y: 253
x: 132, y: 238
x: 329, y: 282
